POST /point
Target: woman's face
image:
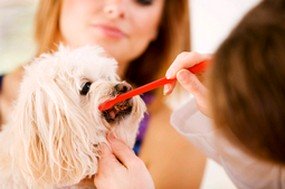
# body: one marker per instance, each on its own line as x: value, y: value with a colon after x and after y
x: 123, y: 27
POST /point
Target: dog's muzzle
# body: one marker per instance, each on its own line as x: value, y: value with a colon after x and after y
x: 122, y: 109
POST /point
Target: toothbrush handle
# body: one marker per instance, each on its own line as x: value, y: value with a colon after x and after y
x: 196, y: 69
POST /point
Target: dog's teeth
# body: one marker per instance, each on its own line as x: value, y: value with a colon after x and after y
x: 120, y: 106
x: 118, y: 111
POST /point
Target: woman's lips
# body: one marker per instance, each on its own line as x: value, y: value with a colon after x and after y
x: 110, y: 31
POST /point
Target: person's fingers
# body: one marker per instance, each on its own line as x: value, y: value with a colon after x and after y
x: 185, y: 60
x: 107, y: 159
x: 192, y: 84
x: 122, y: 151
x: 108, y: 164
x: 168, y: 88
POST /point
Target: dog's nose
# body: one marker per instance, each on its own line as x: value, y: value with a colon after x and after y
x: 122, y: 87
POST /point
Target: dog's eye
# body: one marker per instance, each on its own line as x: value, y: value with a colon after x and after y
x: 85, y: 88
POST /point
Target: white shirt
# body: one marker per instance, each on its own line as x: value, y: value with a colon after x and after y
x: 245, y: 171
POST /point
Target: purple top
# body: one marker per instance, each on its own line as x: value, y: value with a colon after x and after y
x: 1, y: 81
x: 147, y: 98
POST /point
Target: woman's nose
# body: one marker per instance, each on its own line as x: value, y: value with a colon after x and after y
x: 115, y: 9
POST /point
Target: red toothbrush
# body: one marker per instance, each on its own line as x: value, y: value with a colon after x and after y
x: 196, y: 69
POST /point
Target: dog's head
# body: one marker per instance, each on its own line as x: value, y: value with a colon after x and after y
x: 58, y: 118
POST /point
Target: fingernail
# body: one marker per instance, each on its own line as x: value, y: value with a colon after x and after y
x: 166, y: 89
x: 168, y: 74
x: 111, y: 136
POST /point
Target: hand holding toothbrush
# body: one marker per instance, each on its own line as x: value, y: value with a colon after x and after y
x: 188, y: 80
x: 190, y: 62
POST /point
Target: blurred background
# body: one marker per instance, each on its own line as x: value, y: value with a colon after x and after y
x: 211, y: 21
x: 16, y: 33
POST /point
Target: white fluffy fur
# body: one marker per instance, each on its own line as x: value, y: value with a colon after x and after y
x: 51, y: 139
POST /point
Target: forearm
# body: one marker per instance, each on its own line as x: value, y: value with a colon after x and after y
x: 188, y: 121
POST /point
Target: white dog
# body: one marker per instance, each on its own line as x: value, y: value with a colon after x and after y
x: 53, y: 136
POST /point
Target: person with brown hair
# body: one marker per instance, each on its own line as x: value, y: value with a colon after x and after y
x: 143, y: 36
x: 245, y: 97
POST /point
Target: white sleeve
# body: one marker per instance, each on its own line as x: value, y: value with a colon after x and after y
x: 244, y: 170
x: 196, y: 127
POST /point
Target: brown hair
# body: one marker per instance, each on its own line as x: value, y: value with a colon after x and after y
x: 246, y: 83
x: 173, y: 37
x: 47, y: 33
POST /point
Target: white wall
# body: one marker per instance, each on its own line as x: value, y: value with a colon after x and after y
x: 16, y: 33
x: 211, y: 22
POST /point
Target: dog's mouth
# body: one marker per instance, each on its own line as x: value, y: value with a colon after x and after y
x: 119, y: 111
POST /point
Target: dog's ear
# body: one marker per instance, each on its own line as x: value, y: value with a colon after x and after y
x: 54, y: 133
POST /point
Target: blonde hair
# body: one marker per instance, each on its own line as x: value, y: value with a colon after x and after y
x: 173, y: 37
x: 47, y: 33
